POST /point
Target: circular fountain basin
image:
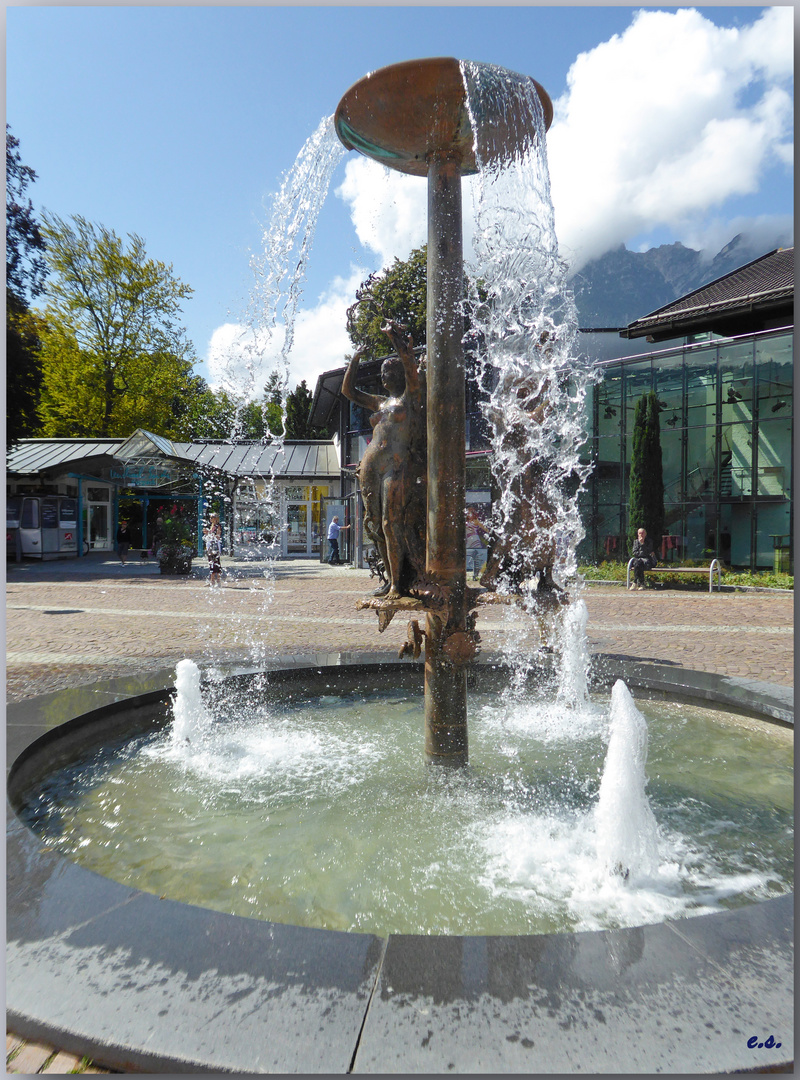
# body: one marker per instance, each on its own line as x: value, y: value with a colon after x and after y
x: 403, y: 114
x: 317, y: 808
x: 138, y: 979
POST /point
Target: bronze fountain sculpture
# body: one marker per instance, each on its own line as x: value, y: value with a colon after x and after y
x: 413, y: 117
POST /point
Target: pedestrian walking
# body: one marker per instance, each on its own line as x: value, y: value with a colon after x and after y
x: 123, y: 541
x: 213, y: 542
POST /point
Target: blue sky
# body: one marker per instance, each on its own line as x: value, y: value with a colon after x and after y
x: 178, y: 123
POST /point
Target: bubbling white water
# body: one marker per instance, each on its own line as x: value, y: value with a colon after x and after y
x: 627, y: 835
x: 191, y: 718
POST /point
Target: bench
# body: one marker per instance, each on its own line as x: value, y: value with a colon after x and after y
x: 714, y: 568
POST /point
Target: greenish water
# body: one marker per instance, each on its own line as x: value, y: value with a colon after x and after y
x: 324, y: 813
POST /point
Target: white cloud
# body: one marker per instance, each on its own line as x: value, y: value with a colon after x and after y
x: 659, y: 126
x: 663, y: 123
x: 388, y: 209
x: 240, y: 359
x: 320, y: 333
x: 760, y: 234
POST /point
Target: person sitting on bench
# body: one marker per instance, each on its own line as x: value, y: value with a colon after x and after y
x: 643, y: 558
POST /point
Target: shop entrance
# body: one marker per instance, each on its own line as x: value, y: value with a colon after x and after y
x: 97, y: 519
x: 304, y: 535
x: 298, y: 534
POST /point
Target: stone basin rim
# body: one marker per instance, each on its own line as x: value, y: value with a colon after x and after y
x: 43, y: 1014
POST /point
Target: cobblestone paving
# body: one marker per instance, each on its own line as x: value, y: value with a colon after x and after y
x: 65, y: 629
x: 74, y: 623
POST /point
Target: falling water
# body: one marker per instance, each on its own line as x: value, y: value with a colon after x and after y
x: 534, y: 386
x: 279, y: 273
x: 627, y: 835
x: 280, y: 269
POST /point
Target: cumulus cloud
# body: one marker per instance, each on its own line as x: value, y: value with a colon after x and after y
x: 388, y: 209
x: 664, y: 122
x: 240, y: 358
x: 658, y: 127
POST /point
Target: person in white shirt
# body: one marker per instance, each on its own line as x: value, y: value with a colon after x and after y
x: 333, y: 540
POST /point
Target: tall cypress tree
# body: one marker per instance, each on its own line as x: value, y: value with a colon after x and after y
x: 646, y: 503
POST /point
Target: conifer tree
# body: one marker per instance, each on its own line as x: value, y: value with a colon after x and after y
x: 646, y: 502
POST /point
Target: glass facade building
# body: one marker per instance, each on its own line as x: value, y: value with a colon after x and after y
x: 726, y: 409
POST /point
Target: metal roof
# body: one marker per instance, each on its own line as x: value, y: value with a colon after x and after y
x: 294, y: 459
x: 763, y: 286
x: 64, y: 455
x: 306, y: 459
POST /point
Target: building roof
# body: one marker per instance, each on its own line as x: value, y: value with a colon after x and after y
x: 296, y: 459
x: 305, y: 458
x: 756, y: 296
x: 60, y: 455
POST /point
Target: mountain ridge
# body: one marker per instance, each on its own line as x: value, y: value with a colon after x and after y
x: 621, y: 285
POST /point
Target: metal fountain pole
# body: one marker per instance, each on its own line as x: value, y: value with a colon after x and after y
x: 446, y: 554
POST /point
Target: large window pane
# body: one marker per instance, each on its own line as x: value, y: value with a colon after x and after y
x: 772, y: 531
x: 701, y: 388
x: 609, y: 404
x: 700, y: 462
x: 775, y: 377
x: 774, y: 466
x: 736, y: 460
x: 736, y: 382
x: 610, y: 525
x: 669, y: 389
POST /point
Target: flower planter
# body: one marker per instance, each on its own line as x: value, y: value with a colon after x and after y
x: 175, y: 559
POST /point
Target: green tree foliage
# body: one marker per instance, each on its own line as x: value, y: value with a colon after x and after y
x: 398, y: 292
x: 25, y: 271
x: 114, y: 357
x: 298, y: 414
x: 646, y: 504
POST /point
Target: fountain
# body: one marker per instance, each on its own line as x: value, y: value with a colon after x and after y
x: 140, y: 979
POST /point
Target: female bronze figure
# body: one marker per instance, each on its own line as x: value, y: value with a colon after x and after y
x: 392, y: 472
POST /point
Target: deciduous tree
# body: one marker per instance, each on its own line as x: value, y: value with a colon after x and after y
x: 25, y: 271
x: 399, y: 292
x: 114, y: 356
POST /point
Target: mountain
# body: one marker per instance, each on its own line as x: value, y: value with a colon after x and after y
x: 623, y: 285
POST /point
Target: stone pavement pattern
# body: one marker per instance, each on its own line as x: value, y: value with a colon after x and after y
x: 72, y: 623
x: 66, y: 629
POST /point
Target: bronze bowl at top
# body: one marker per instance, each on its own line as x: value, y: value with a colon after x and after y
x: 403, y: 114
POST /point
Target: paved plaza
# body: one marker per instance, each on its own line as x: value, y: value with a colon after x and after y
x: 70, y: 623
x: 74, y: 622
